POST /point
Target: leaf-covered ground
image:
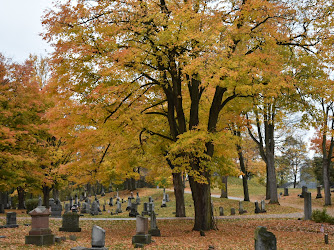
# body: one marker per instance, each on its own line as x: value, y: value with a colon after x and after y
x: 178, y: 234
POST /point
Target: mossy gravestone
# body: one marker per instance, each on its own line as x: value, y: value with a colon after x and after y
x: 70, y: 222
x: 264, y: 240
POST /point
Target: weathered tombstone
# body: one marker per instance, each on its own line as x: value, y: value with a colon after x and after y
x: 318, y: 192
x: 150, y: 208
x: 241, y: 208
x: 163, y: 203
x: 307, y: 206
x: 232, y: 211
x: 304, y: 190
x: 150, y: 199
x: 40, y: 233
x: 111, y: 202
x: 142, y: 237
x: 98, y: 237
x: 56, y: 209
x: 70, y: 223
x: 154, y: 230
x: 119, y: 207
x: 51, y: 202
x: 133, y: 210
x: 94, y: 209
x: 264, y: 240
x: 145, y: 211
x: 221, y: 211
x: 286, y: 192
x: 137, y: 199
x: 11, y: 220
x: 128, y: 207
x: 263, y: 206
x: 257, y: 208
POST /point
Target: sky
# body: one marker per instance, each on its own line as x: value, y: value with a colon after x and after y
x: 20, y: 26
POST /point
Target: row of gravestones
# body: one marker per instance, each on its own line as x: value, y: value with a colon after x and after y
x: 258, y: 209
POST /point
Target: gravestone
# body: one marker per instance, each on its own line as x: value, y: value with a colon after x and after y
x: 67, y: 208
x: 163, y: 203
x: 137, y: 199
x: 241, y: 208
x: 145, y: 211
x: 51, y: 202
x: 118, y: 207
x: 264, y: 239
x: 85, y: 208
x: 70, y: 223
x: 98, y: 240
x: 142, y: 237
x: 150, y: 208
x: 128, y: 207
x: 133, y: 210
x: 307, y: 206
x: 150, y: 199
x: 304, y: 190
x: 111, y: 202
x: 167, y: 198
x: 257, y: 208
x: 221, y: 211
x: 154, y: 230
x: 94, y: 209
x: 40, y: 202
x: 98, y: 237
x: 263, y: 206
x: 318, y: 192
x: 56, y: 209
x: 40, y: 233
x: 286, y: 192
x: 10, y: 220
x: 232, y: 211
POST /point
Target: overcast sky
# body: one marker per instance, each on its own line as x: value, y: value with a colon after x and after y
x: 20, y: 26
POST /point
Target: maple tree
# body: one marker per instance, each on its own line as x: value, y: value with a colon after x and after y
x: 179, y: 62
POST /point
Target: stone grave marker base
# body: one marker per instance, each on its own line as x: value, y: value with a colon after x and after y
x: 40, y: 240
x: 154, y: 232
x: 141, y: 239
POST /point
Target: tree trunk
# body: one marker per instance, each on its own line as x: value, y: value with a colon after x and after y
x: 267, y: 185
x: 20, y: 194
x: 46, y: 196
x: 325, y: 171
x: 202, y: 203
x: 272, y: 180
x: 224, y: 187
x: 295, y: 181
x: 55, y: 193
x: 179, y: 195
x: 245, y: 186
x: 243, y: 169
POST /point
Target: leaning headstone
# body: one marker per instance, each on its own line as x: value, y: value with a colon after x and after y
x: 318, y: 192
x: 154, y: 230
x: 232, y: 211
x: 286, y: 192
x: 264, y: 239
x: 257, y: 208
x: 221, y: 211
x: 307, y: 206
x: 263, y: 207
x: 142, y: 237
x: 70, y: 223
x: 40, y: 233
x: 241, y: 208
x: 145, y: 211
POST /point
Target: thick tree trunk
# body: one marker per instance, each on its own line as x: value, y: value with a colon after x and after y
x: 325, y: 172
x: 202, y: 203
x: 272, y: 180
x: 20, y: 194
x: 55, y: 193
x: 223, y: 193
x: 245, y: 186
x: 46, y: 196
x: 267, y: 185
x: 179, y: 195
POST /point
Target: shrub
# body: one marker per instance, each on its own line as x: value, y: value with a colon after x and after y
x: 31, y: 204
x: 322, y: 216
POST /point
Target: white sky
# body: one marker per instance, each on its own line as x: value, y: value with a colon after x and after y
x: 20, y: 26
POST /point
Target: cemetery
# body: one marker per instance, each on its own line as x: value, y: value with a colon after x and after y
x: 161, y: 229
x: 159, y: 124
